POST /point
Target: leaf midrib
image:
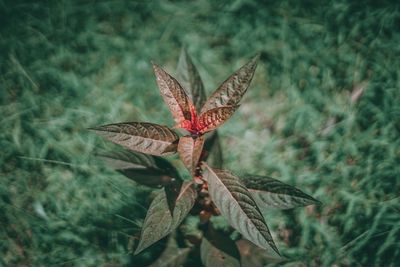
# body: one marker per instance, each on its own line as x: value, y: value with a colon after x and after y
x: 254, y: 226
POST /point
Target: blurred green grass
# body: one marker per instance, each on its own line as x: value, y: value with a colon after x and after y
x: 69, y: 65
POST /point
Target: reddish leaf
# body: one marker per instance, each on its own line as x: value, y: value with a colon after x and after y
x: 271, y: 193
x: 236, y: 204
x: 213, y: 118
x: 190, y: 79
x: 159, y: 222
x: 190, y: 149
x: 174, y: 96
x: 218, y: 250
x: 144, y: 137
x: 213, y: 151
x: 232, y: 90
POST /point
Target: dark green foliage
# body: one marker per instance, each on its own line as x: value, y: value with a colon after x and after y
x: 68, y: 65
x: 217, y: 249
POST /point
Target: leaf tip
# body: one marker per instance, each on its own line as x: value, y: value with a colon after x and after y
x: 184, y: 50
x: 256, y: 57
x: 95, y: 128
x: 317, y: 202
x: 137, y: 250
x: 313, y: 201
x: 275, y: 248
x: 102, y: 129
x: 156, y: 67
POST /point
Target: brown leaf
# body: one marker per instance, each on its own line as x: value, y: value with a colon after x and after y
x: 159, y: 222
x: 213, y: 118
x: 190, y: 149
x: 172, y: 256
x: 143, y: 137
x: 218, y: 250
x: 237, y: 206
x: 174, y: 96
x: 253, y: 256
x: 213, y: 148
x: 231, y: 91
x: 271, y: 193
x: 190, y: 79
x: 148, y: 177
x: 172, y: 191
x: 126, y: 159
x: 150, y: 171
x: 143, y: 169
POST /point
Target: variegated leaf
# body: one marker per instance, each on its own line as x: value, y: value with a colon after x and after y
x: 236, y: 204
x: 172, y: 256
x: 159, y: 222
x: 218, y: 250
x: 231, y: 91
x: 253, y: 256
x: 144, y: 137
x: 190, y: 149
x: 190, y: 79
x: 213, y: 118
x: 174, y: 96
x: 213, y: 155
x: 271, y: 193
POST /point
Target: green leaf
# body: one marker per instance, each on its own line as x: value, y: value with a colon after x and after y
x: 236, y: 204
x: 159, y: 222
x: 271, y: 193
x: 174, y: 96
x: 253, y: 256
x: 190, y: 79
x: 218, y: 250
x: 143, y: 137
x: 231, y: 91
x: 172, y: 256
x: 213, y: 148
x: 190, y: 149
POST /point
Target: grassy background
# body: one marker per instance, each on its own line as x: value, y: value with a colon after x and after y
x: 69, y: 65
